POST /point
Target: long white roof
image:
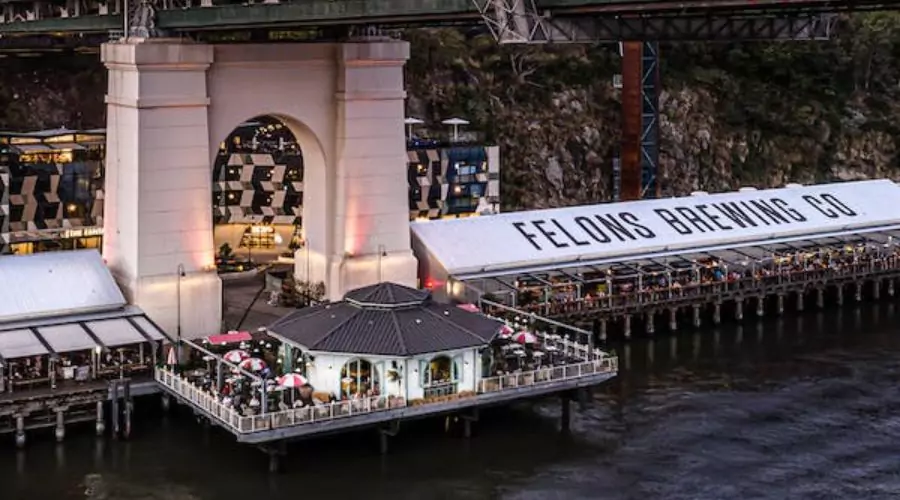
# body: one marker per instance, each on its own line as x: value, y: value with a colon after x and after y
x: 567, y: 236
x: 55, y: 284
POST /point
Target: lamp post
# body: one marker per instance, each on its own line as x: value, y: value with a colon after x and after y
x: 180, y: 274
x: 308, y: 281
x: 381, y: 253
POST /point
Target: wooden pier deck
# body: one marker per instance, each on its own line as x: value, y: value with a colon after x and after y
x: 347, y: 415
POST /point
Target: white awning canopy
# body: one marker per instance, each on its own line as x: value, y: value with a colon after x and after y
x: 127, y: 326
x: 568, y: 236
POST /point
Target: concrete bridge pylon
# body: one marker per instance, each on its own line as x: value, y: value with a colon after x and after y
x: 170, y: 103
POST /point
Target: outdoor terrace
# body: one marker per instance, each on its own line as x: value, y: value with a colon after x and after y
x: 573, y: 365
x: 714, y: 275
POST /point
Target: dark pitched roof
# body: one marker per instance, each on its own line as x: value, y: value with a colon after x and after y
x: 386, y: 319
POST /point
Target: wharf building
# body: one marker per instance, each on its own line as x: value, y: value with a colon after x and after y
x: 605, y: 266
x: 51, y: 190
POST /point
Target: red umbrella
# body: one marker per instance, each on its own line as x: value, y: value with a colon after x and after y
x: 525, y: 338
x: 505, y: 332
x: 235, y: 356
x: 253, y: 364
x: 292, y: 380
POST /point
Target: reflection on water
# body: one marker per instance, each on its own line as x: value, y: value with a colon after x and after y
x: 799, y: 407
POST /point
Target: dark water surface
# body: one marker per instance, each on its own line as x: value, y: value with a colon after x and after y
x: 801, y: 407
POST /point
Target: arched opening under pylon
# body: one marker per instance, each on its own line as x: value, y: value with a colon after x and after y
x: 257, y: 195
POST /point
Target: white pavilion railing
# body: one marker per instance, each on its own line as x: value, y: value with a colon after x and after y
x: 595, y: 364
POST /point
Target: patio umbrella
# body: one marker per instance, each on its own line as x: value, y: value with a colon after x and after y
x: 505, y: 332
x: 292, y: 380
x: 253, y: 364
x: 235, y: 356
x: 472, y: 308
x: 171, y: 359
x: 525, y: 338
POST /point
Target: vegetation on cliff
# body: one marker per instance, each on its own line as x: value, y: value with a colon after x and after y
x: 733, y: 114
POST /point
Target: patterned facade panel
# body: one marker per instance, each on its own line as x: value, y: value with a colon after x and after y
x: 454, y: 181
x: 43, y: 195
x: 258, y: 188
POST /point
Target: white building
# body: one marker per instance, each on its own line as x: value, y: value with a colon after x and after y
x: 391, y: 340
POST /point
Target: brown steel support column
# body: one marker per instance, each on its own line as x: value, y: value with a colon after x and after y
x: 630, y: 156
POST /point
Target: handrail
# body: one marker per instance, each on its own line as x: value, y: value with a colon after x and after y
x: 754, y: 284
x: 245, y: 424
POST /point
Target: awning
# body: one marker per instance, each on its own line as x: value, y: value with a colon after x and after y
x: 561, y: 237
x: 73, y: 333
x: 229, y: 338
x: 20, y: 344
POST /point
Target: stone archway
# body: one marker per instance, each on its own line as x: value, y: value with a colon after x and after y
x: 257, y: 194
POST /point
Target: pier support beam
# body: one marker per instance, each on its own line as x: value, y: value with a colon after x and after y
x: 20, y: 431
x: 566, y: 412
x: 840, y: 295
x: 780, y: 306
x: 101, y: 424
x: 627, y: 326
x: 876, y: 290
x: 739, y: 309
x: 820, y: 298
x: 603, y: 328
x: 717, y: 313
x: 858, y: 294
x: 696, y: 316
x: 385, y: 433
x: 651, y: 325
x: 890, y: 287
x: 468, y: 419
x: 166, y: 401
x: 127, y: 403
x: 114, y: 411
x: 801, y: 298
x: 673, y: 319
x: 60, y: 431
x: 760, y: 306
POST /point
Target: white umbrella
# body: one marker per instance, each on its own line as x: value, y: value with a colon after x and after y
x: 235, y: 356
x: 292, y: 380
x: 253, y: 364
x: 455, y: 123
x: 409, y: 125
x: 525, y: 338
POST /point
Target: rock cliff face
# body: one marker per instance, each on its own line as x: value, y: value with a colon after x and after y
x: 758, y: 114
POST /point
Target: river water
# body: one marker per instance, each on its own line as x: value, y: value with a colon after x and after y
x: 799, y: 407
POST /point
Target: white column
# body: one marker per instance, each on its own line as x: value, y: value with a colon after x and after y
x: 158, y: 213
x: 370, y: 200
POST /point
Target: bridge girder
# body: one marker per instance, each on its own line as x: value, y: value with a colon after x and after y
x: 522, y: 22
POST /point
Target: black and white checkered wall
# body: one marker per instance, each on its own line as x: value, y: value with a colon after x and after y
x: 258, y: 188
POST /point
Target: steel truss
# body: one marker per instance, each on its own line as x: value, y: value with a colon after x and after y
x: 522, y: 22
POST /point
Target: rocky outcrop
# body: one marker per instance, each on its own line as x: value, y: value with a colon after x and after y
x: 759, y: 114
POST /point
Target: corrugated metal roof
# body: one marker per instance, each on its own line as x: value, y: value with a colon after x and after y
x: 401, y: 322
x: 52, y: 284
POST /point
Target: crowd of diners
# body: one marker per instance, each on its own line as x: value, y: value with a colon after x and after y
x: 595, y: 288
x: 252, y: 364
x: 71, y: 369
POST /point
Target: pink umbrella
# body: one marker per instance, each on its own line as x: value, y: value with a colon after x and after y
x: 505, y: 332
x: 171, y: 359
x: 292, y: 380
x: 525, y: 338
x: 472, y: 308
x: 235, y: 356
x: 253, y: 364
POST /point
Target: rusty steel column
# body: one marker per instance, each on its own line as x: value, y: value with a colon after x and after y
x: 640, y: 120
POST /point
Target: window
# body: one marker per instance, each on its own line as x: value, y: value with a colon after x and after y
x: 359, y: 377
